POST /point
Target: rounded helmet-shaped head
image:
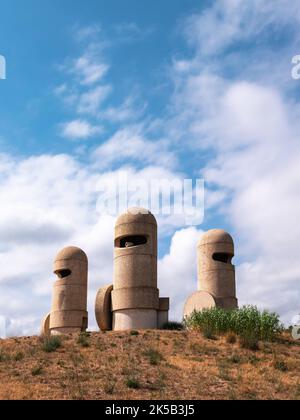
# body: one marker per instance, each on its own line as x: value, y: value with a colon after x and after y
x: 218, y: 244
x: 71, y: 261
x: 136, y: 231
x: 71, y: 253
x: 136, y: 215
x: 216, y: 236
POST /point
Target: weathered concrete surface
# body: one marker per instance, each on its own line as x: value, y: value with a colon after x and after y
x: 135, y: 319
x: 197, y: 302
x: 103, y: 308
x: 135, y: 297
x: 135, y: 302
x: 69, y: 299
x: 163, y: 312
x: 45, y: 326
x: 216, y: 273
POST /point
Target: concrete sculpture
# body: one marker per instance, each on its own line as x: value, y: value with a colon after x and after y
x: 133, y: 302
x: 216, y: 274
x: 69, y: 301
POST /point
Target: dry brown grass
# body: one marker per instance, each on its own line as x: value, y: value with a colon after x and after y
x: 181, y: 365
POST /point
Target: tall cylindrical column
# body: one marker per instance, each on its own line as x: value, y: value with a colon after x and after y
x: 135, y: 296
x: 216, y: 273
x: 69, y: 301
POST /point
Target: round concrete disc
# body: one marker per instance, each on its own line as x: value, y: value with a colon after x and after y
x: 103, y: 308
x: 197, y: 302
x: 45, y: 327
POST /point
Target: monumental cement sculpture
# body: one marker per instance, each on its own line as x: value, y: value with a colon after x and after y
x: 69, y: 300
x: 133, y: 301
x: 216, y: 274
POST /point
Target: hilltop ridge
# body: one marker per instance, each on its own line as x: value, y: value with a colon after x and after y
x: 147, y: 365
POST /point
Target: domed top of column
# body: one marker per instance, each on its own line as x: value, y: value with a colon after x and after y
x: 216, y: 236
x: 71, y: 253
x: 136, y: 215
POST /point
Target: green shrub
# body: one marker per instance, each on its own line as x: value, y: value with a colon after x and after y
x: 209, y: 334
x: 133, y: 383
x: 154, y: 357
x: 250, y: 324
x: 249, y: 342
x: 110, y: 385
x: 51, y: 344
x: 37, y: 371
x: 134, y: 333
x: 19, y: 356
x: 281, y: 366
x: 235, y: 359
x: 84, y: 340
x: 173, y: 326
x: 4, y: 357
x: 231, y: 338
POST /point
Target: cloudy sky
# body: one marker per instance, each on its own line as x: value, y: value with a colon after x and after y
x: 177, y: 88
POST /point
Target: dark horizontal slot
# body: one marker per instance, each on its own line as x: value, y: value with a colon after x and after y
x: 131, y: 241
x: 223, y: 257
x: 63, y: 273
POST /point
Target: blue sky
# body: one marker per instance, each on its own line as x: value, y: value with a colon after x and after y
x: 37, y: 37
x: 179, y: 88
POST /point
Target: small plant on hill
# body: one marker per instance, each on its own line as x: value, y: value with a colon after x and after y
x: 37, y: 371
x: 281, y: 366
x: 51, y: 344
x: 173, y: 326
x: 154, y: 357
x: 19, y: 356
x: 3, y: 357
x: 235, y: 359
x: 110, y: 385
x: 249, y: 342
x: 231, y: 338
x: 209, y: 333
x: 133, y: 383
x: 84, y: 340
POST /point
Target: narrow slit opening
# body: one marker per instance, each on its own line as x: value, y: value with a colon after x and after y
x: 131, y: 241
x: 223, y: 257
x: 63, y: 273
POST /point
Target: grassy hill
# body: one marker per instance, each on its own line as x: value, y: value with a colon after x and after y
x: 148, y: 365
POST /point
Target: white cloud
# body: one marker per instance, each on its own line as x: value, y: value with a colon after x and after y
x: 89, y: 69
x: 230, y: 21
x: 88, y: 32
x: 130, y: 110
x: 252, y: 133
x: 87, y: 91
x: 61, y: 89
x: 129, y: 145
x: 46, y: 205
x: 49, y: 202
x: 79, y: 129
x: 90, y: 101
x: 178, y: 270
